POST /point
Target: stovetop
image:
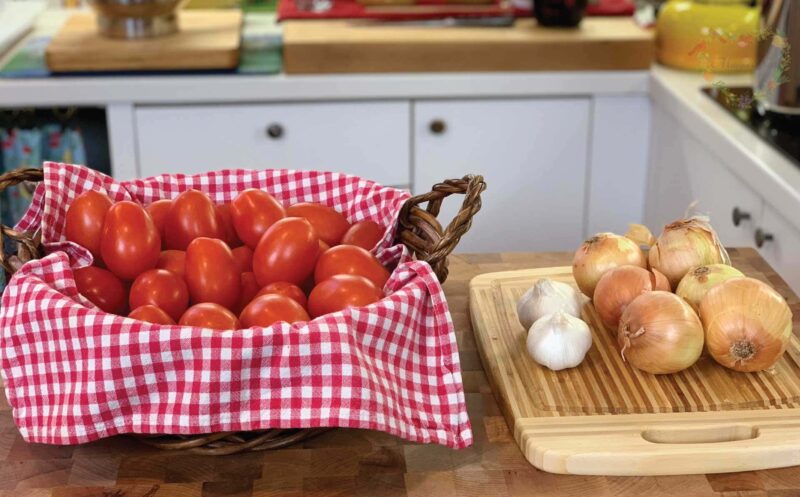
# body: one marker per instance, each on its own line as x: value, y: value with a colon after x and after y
x: 782, y: 132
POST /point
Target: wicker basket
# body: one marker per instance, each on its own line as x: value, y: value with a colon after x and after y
x: 418, y: 229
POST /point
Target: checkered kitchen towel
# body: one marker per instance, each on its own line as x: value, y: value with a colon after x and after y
x: 73, y: 373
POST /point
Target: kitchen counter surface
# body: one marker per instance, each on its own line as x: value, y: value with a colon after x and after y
x: 364, y: 463
x: 741, y: 150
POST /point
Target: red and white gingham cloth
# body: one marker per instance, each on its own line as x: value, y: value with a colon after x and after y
x: 74, y: 373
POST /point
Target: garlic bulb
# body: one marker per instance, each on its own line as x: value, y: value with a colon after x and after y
x: 546, y: 297
x: 559, y: 341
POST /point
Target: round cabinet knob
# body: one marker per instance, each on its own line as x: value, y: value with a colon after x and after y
x: 437, y: 127
x: 739, y: 216
x: 275, y: 130
x: 763, y: 237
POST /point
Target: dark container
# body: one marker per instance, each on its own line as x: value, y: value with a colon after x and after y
x: 563, y: 13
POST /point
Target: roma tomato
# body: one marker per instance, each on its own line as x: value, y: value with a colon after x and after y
x: 330, y: 225
x: 287, y: 252
x: 253, y: 212
x: 158, y: 212
x: 151, y: 314
x: 364, y: 234
x: 191, y: 216
x: 209, y: 315
x: 130, y: 244
x: 270, y: 309
x: 244, y: 258
x: 174, y: 261
x: 160, y: 288
x: 287, y: 290
x: 102, y: 288
x: 211, y: 272
x: 227, y: 232
x: 349, y: 259
x: 340, y: 292
x: 85, y: 217
x: 248, y: 292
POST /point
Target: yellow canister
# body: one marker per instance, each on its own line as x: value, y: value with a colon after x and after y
x: 709, y: 35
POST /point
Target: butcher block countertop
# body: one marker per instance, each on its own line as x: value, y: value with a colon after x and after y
x: 364, y: 463
x: 599, y: 44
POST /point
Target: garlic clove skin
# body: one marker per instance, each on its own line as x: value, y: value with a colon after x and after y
x: 547, y: 297
x: 559, y: 341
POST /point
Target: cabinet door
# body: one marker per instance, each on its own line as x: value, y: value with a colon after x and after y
x: 783, y: 250
x: 533, y: 155
x: 368, y: 139
x: 683, y: 171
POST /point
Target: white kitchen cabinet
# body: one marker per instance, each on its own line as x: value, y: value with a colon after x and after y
x: 780, y: 245
x: 533, y: 155
x: 683, y: 171
x: 368, y: 139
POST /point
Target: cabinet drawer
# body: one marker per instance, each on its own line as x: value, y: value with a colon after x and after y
x: 780, y: 246
x: 370, y: 140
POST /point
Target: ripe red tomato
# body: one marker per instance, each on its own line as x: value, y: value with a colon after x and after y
x: 340, y: 292
x: 158, y: 212
x: 161, y: 288
x: 249, y: 290
x: 211, y: 273
x: 102, y: 288
x: 191, y: 216
x: 151, y: 314
x: 323, y: 247
x: 330, y: 225
x: 349, y: 259
x: 364, y: 234
x: 209, y: 315
x: 244, y: 258
x: 174, y: 261
x: 269, y: 309
x: 84, y: 223
x: 130, y: 243
x: 227, y: 230
x: 287, y: 252
x: 287, y: 290
x: 253, y: 212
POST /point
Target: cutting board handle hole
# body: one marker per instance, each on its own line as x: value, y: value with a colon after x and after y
x: 712, y: 434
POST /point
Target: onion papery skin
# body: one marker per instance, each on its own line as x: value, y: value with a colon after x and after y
x: 600, y: 254
x: 684, y: 244
x: 748, y: 324
x: 700, y: 279
x: 659, y: 333
x: 617, y: 289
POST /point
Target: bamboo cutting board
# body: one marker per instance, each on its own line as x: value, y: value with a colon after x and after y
x: 604, y: 417
x: 207, y: 40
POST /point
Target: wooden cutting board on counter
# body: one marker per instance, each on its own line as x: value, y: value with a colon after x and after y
x: 207, y: 40
x: 604, y: 417
x: 336, y: 46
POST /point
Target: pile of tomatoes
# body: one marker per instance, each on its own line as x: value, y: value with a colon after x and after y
x: 250, y: 262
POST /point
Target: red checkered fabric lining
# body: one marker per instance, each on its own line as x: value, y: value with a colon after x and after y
x: 74, y: 374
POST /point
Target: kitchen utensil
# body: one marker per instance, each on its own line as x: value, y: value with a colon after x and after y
x: 131, y: 19
x: 605, y: 417
x: 562, y: 13
x: 777, y: 76
x: 208, y: 39
x: 712, y: 36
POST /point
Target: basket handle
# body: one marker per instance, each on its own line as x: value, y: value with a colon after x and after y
x: 422, y: 233
x: 28, y: 244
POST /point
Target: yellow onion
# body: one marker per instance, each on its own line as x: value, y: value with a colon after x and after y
x: 684, y: 244
x: 700, y: 279
x: 659, y: 333
x: 748, y: 324
x: 603, y: 252
x: 618, y: 287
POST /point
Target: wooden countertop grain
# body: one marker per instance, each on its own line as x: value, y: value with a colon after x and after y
x: 364, y: 463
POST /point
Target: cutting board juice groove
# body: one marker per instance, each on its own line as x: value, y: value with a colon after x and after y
x: 606, y: 417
